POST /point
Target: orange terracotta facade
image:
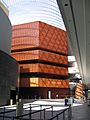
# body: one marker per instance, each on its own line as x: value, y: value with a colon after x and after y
x: 42, y: 42
x: 38, y: 34
x: 43, y: 68
x: 43, y: 82
x: 41, y: 55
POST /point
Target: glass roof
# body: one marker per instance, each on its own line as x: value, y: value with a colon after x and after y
x: 24, y: 11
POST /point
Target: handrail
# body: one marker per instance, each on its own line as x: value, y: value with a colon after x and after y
x: 31, y: 106
x: 58, y: 114
x: 32, y: 112
x: 4, y: 112
x: 7, y: 111
x: 62, y: 112
x: 6, y: 116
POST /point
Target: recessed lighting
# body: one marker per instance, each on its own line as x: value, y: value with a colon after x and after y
x: 66, y: 4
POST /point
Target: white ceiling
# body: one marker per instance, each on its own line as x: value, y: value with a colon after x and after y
x: 76, y: 16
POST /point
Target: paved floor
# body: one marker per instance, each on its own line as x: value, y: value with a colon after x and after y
x: 80, y: 110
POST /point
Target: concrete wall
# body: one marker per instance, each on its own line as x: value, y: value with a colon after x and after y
x: 5, y: 32
x: 8, y: 76
x: 8, y: 66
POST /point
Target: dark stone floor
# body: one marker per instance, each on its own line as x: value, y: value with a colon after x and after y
x: 81, y: 112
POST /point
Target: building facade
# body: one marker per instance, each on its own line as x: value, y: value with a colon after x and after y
x: 41, y: 50
x: 8, y: 65
x: 39, y: 44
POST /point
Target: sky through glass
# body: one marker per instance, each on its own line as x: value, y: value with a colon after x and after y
x: 24, y: 11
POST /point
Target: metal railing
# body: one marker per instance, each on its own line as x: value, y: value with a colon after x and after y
x: 38, y: 111
x: 63, y: 113
x: 4, y: 115
x: 4, y: 112
x: 41, y: 113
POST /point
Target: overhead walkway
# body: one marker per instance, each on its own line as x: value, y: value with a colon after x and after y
x: 76, y: 17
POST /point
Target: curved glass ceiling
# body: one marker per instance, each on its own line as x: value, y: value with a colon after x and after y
x: 24, y: 11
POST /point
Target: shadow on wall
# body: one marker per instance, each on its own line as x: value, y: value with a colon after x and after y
x: 8, y: 76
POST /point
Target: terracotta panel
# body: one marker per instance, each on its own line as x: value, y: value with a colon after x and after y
x: 41, y: 35
x: 25, y: 55
x: 24, y: 82
x: 25, y: 35
x: 34, y: 25
x: 53, y: 38
x: 52, y: 57
x: 41, y: 55
x: 25, y: 39
x: 45, y: 82
x: 24, y: 42
x: 43, y: 68
x: 48, y: 37
x: 79, y: 90
x: 25, y: 32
